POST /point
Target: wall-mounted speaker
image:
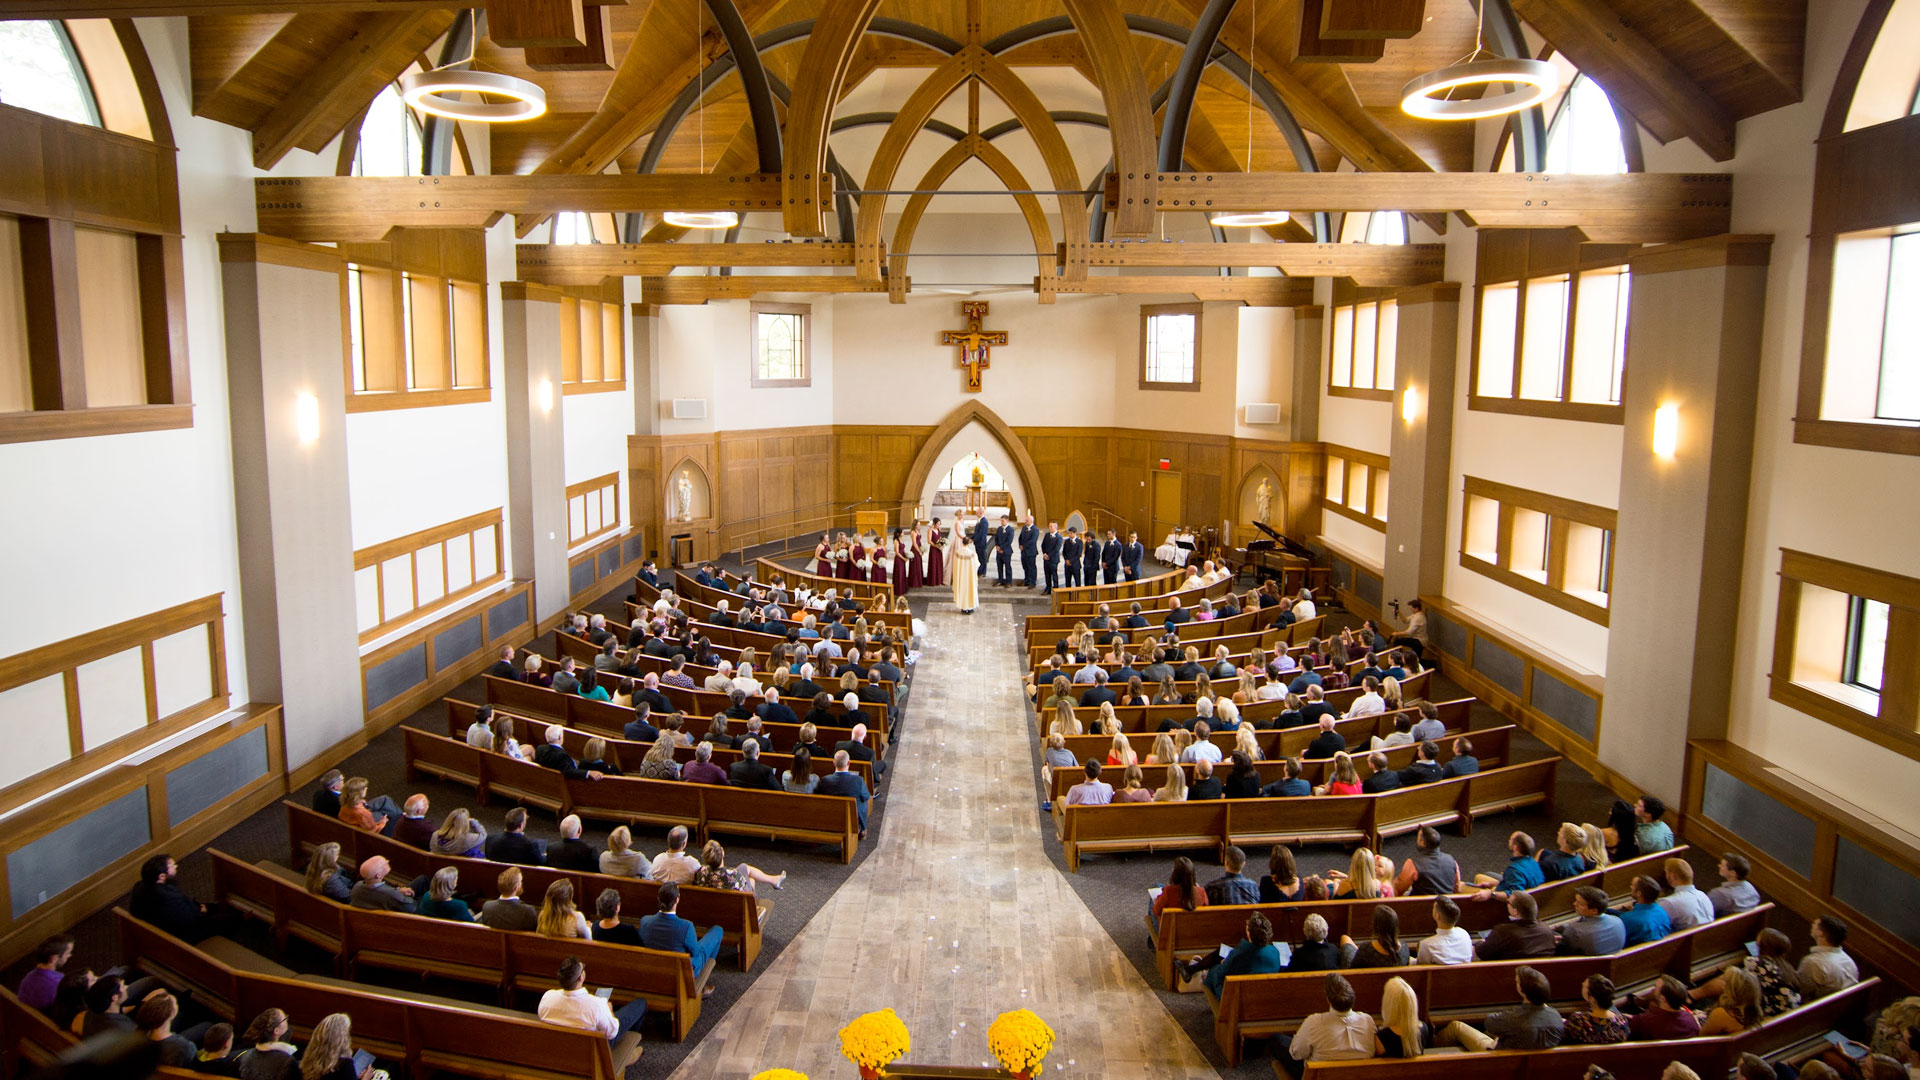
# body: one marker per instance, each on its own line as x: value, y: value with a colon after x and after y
x: 689, y: 408
x: 1263, y: 413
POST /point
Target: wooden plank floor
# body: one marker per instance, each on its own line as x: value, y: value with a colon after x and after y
x: 957, y: 915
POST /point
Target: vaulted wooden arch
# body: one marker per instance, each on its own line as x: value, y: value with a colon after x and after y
x: 968, y: 148
x: 971, y: 410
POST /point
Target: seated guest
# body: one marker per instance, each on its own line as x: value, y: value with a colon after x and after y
x: 856, y: 745
x: 1685, y: 905
x: 593, y: 758
x: 844, y: 782
x: 532, y: 675
x: 573, y: 853
x: 1402, y: 734
x: 1599, y: 1024
x: 593, y: 683
x: 215, y: 1054
x: 1281, y: 883
x: 1666, y: 1015
x: 1521, y: 873
x: 42, y: 981
x: 1135, y: 789
x: 1361, y: 880
x: 1429, y: 871
x: 1429, y: 728
x: 1567, y: 861
x: 375, y: 893
x: 1462, y: 763
x: 1326, y: 744
x: 1650, y: 833
x: 702, y: 770
x: 640, y: 728
x: 1233, y: 887
x: 659, y: 763
x: 441, y: 903
x: 572, y: 1005
x: 559, y: 918
x: 413, y: 828
x: 1739, y: 1005
x: 1369, y: 703
x: 668, y: 932
x: 508, y: 911
x: 800, y: 779
x: 1243, y: 780
x: 1344, y: 779
x: 1205, y: 785
x: 479, y: 733
x: 1253, y: 955
x: 1182, y: 891
x: 324, y: 876
x: 552, y: 755
x: 1523, y: 936
x: 1057, y: 756
x: 157, y: 900
x: 1175, y: 787
x: 713, y: 872
x: 1644, y: 919
x: 1342, y: 1033
x: 1203, y: 748
x: 1595, y: 931
x: 1379, y: 777
x: 1401, y: 1032
x: 1425, y: 768
x: 621, y: 859
x: 1448, y: 944
x: 1384, y: 949
x: 1292, y: 783
x: 1533, y: 1025
x: 1734, y: 893
x: 774, y: 711
x: 749, y: 772
x: 566, y: 680
x: 502, y: 668
x: 513, y: 846
x: 1827, y: 969
x: 674, y: 865
x: 265, y: 1055
x: 1315, y: 953
x: 1779, y: 983
x: 1092, y: 791
x: 607, y: 925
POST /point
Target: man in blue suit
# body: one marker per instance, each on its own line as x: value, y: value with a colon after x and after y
x: 1132, y: 555
x: 1110, y: 557
x: 669, y: 932
x: 1029, y: 537
x: 845, y: 782
x: 1050, y: 554
x: 1070, y: 557
x: 982, y: 536
x: 1003, y: 551
x: 1090, y: 560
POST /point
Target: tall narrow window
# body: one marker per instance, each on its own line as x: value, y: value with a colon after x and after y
x: 356, y: 330
x: 1170, y: 347
x: 781, y: 350
x: 406, y: 330
x: 1585, y: 134
x: 1866, y: 654
x: 572, y: 227
x: 1899, y: 395
x: 391, y: 142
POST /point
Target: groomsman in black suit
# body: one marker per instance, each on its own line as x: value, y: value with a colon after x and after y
x: 1110, y: 558
x: 1050, y: 554
x: 982, y: 536
x: 1029, y: 536
x: 1090, y: 560
x: 1132, y: 555
x: 1070, y: 556
x: 1003, y: 550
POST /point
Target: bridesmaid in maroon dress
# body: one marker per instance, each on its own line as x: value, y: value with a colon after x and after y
x: 936, y: 550
x: 856, y: 554
x: 913, y: 547
x: 901, y: 546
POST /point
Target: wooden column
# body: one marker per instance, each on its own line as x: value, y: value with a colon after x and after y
x: 1421, y: 443
x: 1696, y: 317
x: 1309, y: 367
x: 536, y: 463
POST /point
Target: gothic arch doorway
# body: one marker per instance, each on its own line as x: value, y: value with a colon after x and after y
x: 969, y: 428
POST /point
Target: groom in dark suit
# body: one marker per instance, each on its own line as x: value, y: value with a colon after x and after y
x: 1070, y: 557
x: 1029, y: 539
x: 982, y: 536
x: 1050, y: 555
x: 1003, y: 550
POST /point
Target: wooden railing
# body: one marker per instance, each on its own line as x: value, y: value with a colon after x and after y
x: 476, y: 543
x: 593, y: 508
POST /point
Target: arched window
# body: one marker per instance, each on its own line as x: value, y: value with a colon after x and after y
x: 1379, y: 227
x: 391, y: 142
x: 572, y: 227
x: 1585, y: 134
x: 42, y: 72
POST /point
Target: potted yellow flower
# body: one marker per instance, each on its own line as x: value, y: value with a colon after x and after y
x: 873, y: 1041
x: 1020, y: 1040
x: 779, y: 1074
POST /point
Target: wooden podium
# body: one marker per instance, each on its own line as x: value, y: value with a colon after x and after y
x: 870, y: 521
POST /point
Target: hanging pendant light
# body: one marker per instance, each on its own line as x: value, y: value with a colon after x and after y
x: 1530, y: 82
x: 700, y: 219
x: 1250, y: 219
x: 433, y: 92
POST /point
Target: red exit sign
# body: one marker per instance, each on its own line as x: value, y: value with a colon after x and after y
x: 1165, y: 464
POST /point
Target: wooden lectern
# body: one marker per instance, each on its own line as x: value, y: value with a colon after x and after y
x: 870, y: 521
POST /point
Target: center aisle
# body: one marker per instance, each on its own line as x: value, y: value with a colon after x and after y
x: 957, y: 915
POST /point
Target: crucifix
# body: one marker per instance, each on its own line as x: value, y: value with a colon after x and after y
x: 975, y: 344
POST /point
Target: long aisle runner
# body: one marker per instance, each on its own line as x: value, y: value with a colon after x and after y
x: 957, y: 915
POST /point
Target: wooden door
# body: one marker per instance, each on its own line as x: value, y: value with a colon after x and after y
x: 1167, y: 506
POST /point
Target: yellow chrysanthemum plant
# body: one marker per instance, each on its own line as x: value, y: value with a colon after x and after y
x: 1020, y: 1040
x: 874, y: 1040
x: 779, y: 1074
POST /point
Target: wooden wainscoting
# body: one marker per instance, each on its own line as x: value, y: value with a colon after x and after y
x: 406, y: 673
x: 483, y: 537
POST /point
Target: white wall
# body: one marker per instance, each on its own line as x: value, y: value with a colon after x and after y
x: 975, y: 437
x: 1265, y: 370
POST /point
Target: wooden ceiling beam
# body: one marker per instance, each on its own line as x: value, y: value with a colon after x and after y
x: 319, y: 105
x: 1253, y: 291
x: 1372, y: 18
x: 689, y: 289
x: 588, y: 264
x: 338, y: 208
x: 1310, y: 46
x: 823, y: 72
x: 136, y: 9
x: 1636, y: 208
x: 1367, y: 264
x: 1123, y: 88
x: 533, y: 24
x: 1637, y: 75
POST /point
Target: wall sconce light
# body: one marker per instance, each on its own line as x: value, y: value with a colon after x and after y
x: 1410, y: 404
x: 306, y: 417
x: 1666, y: 430
x: 543, y: 395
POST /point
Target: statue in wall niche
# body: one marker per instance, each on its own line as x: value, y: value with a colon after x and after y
x: 1263, y: 502
x: 683, y: 497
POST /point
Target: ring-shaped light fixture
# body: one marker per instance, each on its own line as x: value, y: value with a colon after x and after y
x: 1250, y: 219
x: 432, y: 92
x: 701, y: 219
x: 1534, y: 82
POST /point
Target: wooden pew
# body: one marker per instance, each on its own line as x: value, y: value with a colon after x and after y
x: 701, y: 601
x: 1121, y: 591
x: 812, y: 819
x: 1187, y: 597
x: 1274, y: 742
x: 1784, y: 1036
x: 705, y: 703
x: 583, y: 652
x: 739, y: 915
x: 427, y: 1036
x: 864, y: 591
x: 1258, y: 1006
x: 1047, y: 628
x: 1183, y: 934
x: 1492, y: 746
x: 1323, y: 819
x: 572, y: 710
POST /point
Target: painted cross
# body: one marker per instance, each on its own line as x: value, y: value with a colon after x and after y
x: 976, y: 345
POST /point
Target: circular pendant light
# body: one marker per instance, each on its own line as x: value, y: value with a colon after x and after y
x: 1250, y: 219
x: 432, y: 92
x: 701, y: 219
x: 1532, y: 81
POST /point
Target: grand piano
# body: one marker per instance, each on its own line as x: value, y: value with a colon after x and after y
x: 1275, y: 555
